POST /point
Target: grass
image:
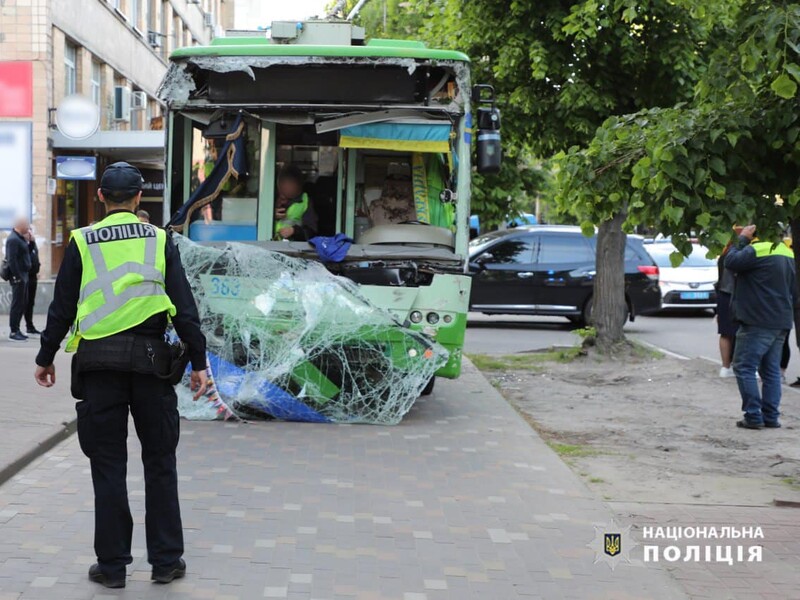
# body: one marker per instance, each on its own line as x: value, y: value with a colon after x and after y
x: 596, y: 480
x: 572, y: 450
x: 792, y: 482
x: 531, y: 361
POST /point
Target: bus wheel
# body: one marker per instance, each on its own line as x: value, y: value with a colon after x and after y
x: 428, y: 389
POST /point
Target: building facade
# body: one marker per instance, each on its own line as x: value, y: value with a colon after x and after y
x: 113, y: 52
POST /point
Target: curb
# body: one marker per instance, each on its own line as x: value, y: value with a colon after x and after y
x: 51, y: 441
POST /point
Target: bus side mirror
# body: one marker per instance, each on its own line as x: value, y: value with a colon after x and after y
x: 490, y: 152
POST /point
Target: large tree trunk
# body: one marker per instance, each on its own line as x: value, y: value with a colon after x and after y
x: 609, y: 310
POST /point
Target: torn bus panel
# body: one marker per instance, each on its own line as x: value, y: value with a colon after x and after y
x: 289, y: 340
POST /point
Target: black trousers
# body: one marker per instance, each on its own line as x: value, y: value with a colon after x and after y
x: 30, y: 301
x: 103, y: 433
x: 19, y: 302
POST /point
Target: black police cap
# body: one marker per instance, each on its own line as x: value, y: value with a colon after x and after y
x: 122, y: 177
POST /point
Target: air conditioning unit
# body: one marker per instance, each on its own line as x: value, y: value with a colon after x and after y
x: 209, y: 19
x: 122, y: 103
x: 139, y: 100
x: 154, y: 39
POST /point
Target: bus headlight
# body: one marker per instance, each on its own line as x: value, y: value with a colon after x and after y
x: 448, y: 319
x: 415, y: 317
x: 433, y: 318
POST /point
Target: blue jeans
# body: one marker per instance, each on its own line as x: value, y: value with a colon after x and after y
x: 759, y: 349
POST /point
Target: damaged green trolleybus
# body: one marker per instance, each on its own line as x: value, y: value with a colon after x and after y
x: 379, y: 131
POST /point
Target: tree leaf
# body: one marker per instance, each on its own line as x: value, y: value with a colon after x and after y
x: 587, y: 228
x: 784, y: 87
x: 717, y: 165
x: 675, y: 259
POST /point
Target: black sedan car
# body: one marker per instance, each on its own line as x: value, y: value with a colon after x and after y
x: 550, y: 270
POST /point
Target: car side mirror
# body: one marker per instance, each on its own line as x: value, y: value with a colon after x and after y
x: 479, y: 263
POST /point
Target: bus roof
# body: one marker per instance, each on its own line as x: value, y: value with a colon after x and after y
x: 263, y: 46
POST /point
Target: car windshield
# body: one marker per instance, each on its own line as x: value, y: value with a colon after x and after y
x: 660, y: 253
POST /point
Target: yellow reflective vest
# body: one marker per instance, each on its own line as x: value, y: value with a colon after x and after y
x: 122, y: 284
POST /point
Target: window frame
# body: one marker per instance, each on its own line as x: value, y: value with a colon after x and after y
x: 70, y: 68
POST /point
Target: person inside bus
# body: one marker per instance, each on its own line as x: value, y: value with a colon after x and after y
x: 295, y: 217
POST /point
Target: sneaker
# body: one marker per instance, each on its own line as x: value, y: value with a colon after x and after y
x: 18, y: 337
x: 772, y: 425
x: 96, y: 574
x: 747, y: 425
x: 725, y: 372
x: 795, y: 383
x: 168, y: 574
x: 33, y: 331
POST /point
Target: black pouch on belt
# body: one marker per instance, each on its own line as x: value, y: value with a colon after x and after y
x: 179, y: 359
x: 126, y: 353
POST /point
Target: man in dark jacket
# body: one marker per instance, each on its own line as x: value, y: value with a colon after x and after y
x: 19, y: 263
x: 763, y: 305
x: 33, y: 277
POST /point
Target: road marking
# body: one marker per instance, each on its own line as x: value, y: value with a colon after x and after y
x: 663, y: 350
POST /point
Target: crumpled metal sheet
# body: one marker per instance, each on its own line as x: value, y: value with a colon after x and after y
x: 289, y: 340
x: 178, y: 84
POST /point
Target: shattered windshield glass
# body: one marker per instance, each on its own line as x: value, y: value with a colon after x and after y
x: 289, y: 340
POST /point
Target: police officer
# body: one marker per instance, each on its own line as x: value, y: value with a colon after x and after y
x: 119, y: 283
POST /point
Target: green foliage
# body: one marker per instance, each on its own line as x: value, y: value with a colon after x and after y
x: 732, y: 156
x: 561, y: 67
x: 385, y: 18
x: 496, y: 198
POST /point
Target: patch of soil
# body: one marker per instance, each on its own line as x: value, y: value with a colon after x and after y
x: 663, y: 430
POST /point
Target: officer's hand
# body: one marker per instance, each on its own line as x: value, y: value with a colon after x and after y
x: 199, y: 383
x: 286, y: 232
x: 749, y: 232
x: 45, y: 376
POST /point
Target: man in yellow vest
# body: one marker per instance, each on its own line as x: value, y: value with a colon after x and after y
x: 764, y: 297
x: 295, y: 217
x: 120, y: 283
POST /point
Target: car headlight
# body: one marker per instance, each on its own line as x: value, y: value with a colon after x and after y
x: 433, y: 318
x: 415, y: 317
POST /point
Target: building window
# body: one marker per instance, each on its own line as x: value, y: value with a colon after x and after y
x: 177, y: 33
x: 97, y: 78
x: 164, y: 28
x: 70, y: 69
x: 114, y: 3
x: 133, y: 6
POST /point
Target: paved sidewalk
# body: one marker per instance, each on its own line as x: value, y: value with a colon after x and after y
x: 461, y: 501
x: 30, y: 415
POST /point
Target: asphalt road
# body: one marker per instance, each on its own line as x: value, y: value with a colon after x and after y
x: 692, y: 335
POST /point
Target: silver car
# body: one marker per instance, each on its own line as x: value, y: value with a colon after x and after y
x: 689, y: 286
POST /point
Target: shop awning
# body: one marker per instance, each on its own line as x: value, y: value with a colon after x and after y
x: 131, y: 146
x: 402, y: 137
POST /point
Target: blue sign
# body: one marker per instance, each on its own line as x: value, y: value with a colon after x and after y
x: 76, y: 167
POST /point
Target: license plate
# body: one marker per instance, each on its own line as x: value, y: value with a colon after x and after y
x: 695, y: 295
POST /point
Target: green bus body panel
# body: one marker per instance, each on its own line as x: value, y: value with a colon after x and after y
x: 263, y: 47
x: 448, y: 295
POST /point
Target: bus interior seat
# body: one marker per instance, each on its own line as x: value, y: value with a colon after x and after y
x: 396, y: 203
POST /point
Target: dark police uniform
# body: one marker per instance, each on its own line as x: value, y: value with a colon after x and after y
x: 115, y: 380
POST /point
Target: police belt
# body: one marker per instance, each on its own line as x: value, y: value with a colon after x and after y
x: 132, y: 354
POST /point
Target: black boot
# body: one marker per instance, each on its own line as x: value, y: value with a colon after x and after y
x: 168, y: 574
x: 96, y: 574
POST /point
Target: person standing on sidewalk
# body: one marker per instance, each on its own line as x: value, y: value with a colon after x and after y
x: 19, y: 263
x: 763, y: 305
x: 726, y: 327
x: 119, y: 283
x: 33, y: 277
